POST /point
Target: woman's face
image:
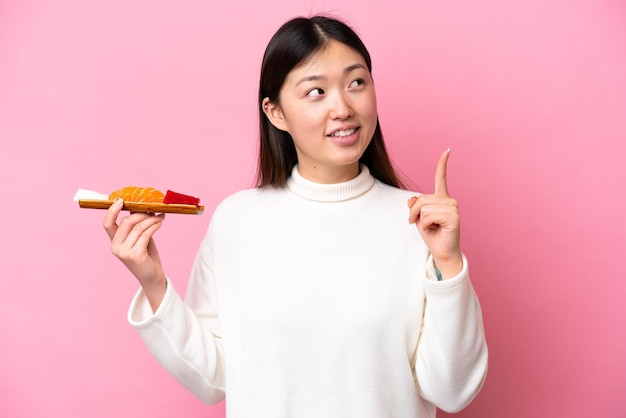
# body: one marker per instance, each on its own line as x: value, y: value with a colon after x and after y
x: 328, y: 106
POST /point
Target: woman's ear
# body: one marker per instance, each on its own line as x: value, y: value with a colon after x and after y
x: 274, y: 114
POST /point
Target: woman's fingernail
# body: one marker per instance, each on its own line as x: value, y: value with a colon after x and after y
x: 118, y: 203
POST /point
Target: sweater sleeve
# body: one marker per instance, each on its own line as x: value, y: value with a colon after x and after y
x: 451, y: 361
x: 184, y: 337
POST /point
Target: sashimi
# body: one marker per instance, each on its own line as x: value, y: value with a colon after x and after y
x: 179, y: 198
x: 138, y: 194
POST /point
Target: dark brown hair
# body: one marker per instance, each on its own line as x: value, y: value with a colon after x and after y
x: 293, y: 44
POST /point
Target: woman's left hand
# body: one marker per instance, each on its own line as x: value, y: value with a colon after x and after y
x: 437, y: 219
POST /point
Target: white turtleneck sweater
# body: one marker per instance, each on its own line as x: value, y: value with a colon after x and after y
x: 319, y: 301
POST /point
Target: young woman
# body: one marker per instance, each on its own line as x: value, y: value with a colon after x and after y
x: 311, y: 294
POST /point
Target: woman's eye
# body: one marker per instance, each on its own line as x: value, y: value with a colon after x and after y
x: 315, y: 92
x: 357, y: 82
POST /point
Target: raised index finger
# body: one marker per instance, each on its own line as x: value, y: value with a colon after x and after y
x: 441, y: 175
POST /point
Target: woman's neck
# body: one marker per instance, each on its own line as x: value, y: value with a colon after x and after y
x: 329, y: 175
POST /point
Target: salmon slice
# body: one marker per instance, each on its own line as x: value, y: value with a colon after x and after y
x: 138, y: 194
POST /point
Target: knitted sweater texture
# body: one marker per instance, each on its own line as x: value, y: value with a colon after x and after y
x: 319, y: 301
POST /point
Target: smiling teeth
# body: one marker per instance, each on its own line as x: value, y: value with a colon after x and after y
x: 344, y: 133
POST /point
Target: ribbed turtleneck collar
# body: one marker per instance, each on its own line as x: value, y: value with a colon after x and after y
x: 337, y: 192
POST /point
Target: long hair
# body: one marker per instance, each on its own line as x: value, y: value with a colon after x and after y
x: 293, y: 44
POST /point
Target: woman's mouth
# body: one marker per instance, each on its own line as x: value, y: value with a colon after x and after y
x: 345, y: 136
x: 342, y: 133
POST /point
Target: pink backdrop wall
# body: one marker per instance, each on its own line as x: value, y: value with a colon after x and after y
x: 530, y: 96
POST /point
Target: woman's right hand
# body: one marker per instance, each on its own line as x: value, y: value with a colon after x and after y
x: 132, y: 242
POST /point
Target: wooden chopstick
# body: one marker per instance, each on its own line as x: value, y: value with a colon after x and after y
x: 143, y: 207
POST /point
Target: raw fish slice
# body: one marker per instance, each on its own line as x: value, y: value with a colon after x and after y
x: 138, y: 194
x: 179, y: 198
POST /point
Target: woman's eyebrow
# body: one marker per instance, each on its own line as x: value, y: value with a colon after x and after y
x: 354, y: 67
x: 347, y: 70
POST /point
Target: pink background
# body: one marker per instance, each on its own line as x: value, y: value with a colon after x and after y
x: 530, y: 96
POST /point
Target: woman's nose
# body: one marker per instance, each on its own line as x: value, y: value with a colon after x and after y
x: 341, y: 108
